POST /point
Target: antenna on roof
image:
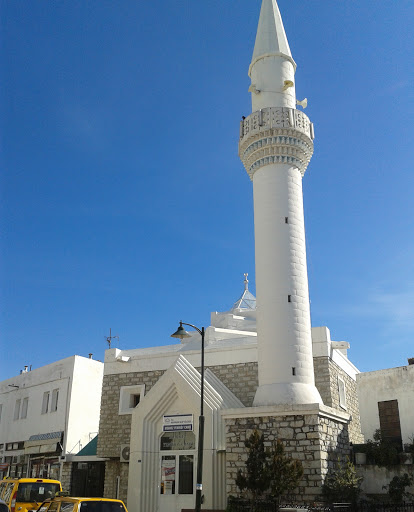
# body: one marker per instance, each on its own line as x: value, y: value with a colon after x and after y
x: 110, y: 338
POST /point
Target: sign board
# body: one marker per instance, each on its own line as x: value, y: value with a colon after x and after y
x: 177, y: 422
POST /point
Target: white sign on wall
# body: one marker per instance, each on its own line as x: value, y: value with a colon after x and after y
x: 177, y: 422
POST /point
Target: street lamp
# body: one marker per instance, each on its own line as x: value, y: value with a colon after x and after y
x: 182, y: 333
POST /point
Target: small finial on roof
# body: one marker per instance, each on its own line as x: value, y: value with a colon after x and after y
x: 246, y: 282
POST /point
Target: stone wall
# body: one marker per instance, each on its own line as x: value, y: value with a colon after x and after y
x: 326, y: 380
x: 66, y: 475
x: 241, y: 379
x: 115, y: 428
x: 116, y: 471
x: 316, y: 440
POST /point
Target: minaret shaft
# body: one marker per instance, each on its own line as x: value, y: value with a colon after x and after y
x: 276, y: 145
x: 283, y: 315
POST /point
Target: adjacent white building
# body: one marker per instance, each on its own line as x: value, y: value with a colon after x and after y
x: 387, y: 402
x: 47, y: 413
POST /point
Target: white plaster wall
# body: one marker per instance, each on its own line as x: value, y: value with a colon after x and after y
x: 84, y: 403
x: 382, y: 385
x: 33, y: 385
x: 79, y: 381
x: 225, y: 347
x: 374, y: 478
x: 161, y: 358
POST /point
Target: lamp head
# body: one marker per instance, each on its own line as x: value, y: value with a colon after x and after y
x: 181, y: 333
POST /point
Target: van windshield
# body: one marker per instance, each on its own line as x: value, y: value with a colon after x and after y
x: 101, y: 506
x: 36, y: 491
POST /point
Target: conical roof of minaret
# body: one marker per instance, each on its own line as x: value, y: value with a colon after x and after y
x: 271, y: 36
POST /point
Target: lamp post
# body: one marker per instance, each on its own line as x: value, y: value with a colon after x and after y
x: 182, y: 333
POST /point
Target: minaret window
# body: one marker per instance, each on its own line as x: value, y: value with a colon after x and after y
x: 286, y: 220
x: 289, y: 298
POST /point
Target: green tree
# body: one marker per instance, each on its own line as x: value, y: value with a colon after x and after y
x: 255, y: 479
x: 285, y: 472
x: 396, y: 488
x: 382, y: 452
x: 343, y: 484
x: 268, y: 469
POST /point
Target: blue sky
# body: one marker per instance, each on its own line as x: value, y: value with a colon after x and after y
x: 124, y: 203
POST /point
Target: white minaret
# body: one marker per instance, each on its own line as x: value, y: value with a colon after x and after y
x: 276, y: 145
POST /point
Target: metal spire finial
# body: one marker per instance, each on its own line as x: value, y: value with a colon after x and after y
x: 246, y: 282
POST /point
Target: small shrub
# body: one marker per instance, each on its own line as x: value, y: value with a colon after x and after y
x: 396, y: 488
x: 382, y: 452
x: 268, y: 470
x: 343, y: 484
x: 255, y: 479
x: 286, y: 473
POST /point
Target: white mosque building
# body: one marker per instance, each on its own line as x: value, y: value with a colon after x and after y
x: 265, y: 367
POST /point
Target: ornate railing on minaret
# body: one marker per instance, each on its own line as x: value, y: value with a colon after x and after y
x: 276, y: 135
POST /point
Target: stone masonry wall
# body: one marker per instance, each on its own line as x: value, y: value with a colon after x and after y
x: 115, y: 429
x: 326, y: 380
x: 241, y: 379
x: 317, y: 441
x: 113, y: 470
x: 66, y: 476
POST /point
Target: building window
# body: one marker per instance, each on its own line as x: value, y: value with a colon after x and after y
x: 1, y: 408
x: 129, y: 398
x: 17, y: 409
x: 25, y: 405
x: 55, y: 397
x: 342, y: 393
x: 170, y: 475
x: 45, y: 403
x: 134, y: 400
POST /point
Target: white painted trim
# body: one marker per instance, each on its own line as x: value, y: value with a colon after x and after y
x: 287, y: 410
x: 125, y: 397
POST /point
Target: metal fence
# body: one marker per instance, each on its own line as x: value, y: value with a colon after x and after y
x: 385, y: 507
x: 270, y: 506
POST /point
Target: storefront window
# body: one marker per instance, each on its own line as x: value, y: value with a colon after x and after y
x: 168, y: 474
x: 176, y: 441
x: 186, y: 474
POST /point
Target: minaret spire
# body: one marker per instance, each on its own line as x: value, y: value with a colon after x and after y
x: 272, y: 69
x: 271, y: 36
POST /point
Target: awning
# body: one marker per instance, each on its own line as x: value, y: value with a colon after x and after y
x: 42, y: 448
x: 43, y: 443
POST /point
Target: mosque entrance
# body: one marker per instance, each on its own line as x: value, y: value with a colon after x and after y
x: 177, y: 471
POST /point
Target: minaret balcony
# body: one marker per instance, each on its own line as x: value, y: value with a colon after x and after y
x: 276, y: 135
